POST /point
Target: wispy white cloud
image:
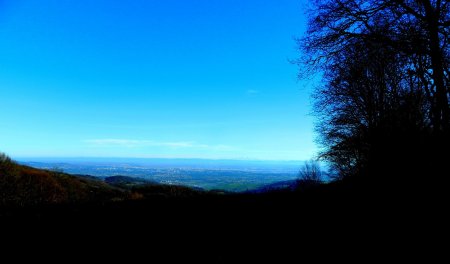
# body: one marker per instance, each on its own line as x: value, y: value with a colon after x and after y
x: 133, y: 143
x: 222, y: 148
x: 252, y: 92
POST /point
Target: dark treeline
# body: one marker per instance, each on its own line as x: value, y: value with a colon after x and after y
x: 383, y: 104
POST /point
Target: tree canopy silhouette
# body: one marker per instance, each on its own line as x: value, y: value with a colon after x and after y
x: 383, y: 103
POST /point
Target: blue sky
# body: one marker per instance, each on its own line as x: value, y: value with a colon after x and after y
x: 143, y: 78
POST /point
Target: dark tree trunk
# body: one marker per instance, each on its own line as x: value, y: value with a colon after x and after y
x: 442, y: 108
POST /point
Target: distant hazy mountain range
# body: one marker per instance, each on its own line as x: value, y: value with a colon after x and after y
x: 229, y: 175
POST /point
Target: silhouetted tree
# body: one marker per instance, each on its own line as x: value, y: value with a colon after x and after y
x: 310, y: 176
x: 311, y: 171
x: 383, y: 102
x: 417, y: 31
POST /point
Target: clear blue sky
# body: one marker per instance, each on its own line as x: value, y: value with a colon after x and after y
x: 147, y: 78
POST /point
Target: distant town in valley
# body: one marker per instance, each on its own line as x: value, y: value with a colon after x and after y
x: 227, y: 175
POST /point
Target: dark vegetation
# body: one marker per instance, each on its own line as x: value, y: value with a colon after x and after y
x: 132, y: 219
x: 134, y: 215
x: 383, y: 104
x: 22, y: 186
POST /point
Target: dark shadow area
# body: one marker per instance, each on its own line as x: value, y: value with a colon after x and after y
x: 179, y: 224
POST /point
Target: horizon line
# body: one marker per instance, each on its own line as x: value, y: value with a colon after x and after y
x: 149, y: 158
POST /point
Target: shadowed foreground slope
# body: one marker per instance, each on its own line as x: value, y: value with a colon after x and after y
x: 177, y: 224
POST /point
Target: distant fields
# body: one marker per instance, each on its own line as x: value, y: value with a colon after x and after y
x: 217, y: 176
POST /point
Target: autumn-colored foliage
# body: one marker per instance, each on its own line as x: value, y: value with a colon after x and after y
x: 26, y: 186
x: 23, y: 186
